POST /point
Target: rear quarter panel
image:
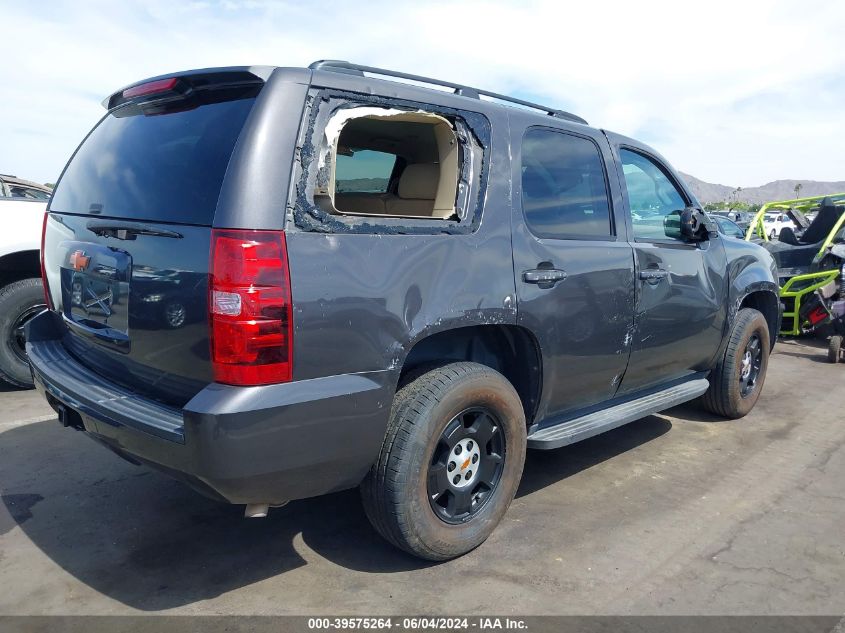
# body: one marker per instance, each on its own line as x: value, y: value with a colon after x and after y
x: 361, y: 301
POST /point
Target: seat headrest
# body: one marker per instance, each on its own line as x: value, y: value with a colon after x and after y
x: 419, y: 181
x: 826, y: 202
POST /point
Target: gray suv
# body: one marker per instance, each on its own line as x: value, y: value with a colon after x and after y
x: 275, y: 283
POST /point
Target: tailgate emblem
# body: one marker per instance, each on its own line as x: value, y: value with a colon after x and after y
x: 79, y: 260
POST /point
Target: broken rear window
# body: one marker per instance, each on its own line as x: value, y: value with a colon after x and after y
x: 389, y: 166
x: 391, y: 163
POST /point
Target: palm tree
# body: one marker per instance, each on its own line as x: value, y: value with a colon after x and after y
x: 735, y: 196
x: 797, y: 189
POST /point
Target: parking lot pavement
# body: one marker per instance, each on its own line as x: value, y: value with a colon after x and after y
x: 677, y: 513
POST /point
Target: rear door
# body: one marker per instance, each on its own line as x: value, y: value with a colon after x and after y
x: 127, y: 241
x: 574, y: 271
x: 681, y: 286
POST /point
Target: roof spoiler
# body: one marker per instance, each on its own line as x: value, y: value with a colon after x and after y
x: 183, y: 83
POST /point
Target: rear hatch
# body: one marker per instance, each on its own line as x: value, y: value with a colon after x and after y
x: 126, y: 250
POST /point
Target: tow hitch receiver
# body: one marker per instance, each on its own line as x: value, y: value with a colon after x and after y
x: 68, y: 417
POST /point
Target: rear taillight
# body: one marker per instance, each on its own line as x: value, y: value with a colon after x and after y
x: 250, y: 307
x: 47, y: 299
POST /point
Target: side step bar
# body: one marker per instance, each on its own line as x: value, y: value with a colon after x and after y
x: 581, y: 428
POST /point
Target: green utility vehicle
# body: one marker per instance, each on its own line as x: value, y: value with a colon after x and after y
x: 811, y: 263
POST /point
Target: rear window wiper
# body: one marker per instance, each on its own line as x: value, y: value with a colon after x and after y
x: 127, y: 230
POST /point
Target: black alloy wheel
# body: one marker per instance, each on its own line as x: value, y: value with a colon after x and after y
x: 466, y: 466
x: 17, y: 337
x: 752, y: 361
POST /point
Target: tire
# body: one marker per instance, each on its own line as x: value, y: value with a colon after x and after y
x: 428, y: 412
x: 834, y: 349
x: 729, y: 396
x: 19, y: 301
x: 773, y: 235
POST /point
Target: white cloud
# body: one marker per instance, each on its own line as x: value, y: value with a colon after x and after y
x: 734, y: 92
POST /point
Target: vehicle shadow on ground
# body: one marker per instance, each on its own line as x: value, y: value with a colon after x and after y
x: 808, y: 347
x: 151, y: 543
x: 544, y: 468
x: 6, y: 387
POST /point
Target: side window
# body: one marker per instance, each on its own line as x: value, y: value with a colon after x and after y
x: 18, y: 191
x: 363, y: 171
x: 564, y: 190
x: 38, y: 194
x: 394, y: 163
x: 728, y: 228
x: 651, y: 195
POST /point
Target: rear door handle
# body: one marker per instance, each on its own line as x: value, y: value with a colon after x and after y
x: 653, y: 274
x: 543, y: 276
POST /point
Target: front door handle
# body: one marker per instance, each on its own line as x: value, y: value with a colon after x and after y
x: 543, y: 276
x: 653, y: 275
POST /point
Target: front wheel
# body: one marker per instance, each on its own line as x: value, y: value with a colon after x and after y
x: 19, y: 302
x: 450, y: 463
x: 773, y: 235
x: 737, y: 379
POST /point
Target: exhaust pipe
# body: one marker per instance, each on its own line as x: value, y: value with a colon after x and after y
x: 260, y: 510
x: 256, y: 510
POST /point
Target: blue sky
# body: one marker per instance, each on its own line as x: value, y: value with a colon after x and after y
x: 739, y: 93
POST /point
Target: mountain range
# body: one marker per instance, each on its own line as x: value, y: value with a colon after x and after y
x: 777, y: 190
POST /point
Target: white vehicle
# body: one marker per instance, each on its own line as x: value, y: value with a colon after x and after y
x: 22, y: 207
x: 774, y: 222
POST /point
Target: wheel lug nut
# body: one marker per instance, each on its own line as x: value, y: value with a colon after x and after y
x: 451, y: 466
x: 468, y: 475
x: 457, y: 450
x: 456, y: 479
x: 474, y: 458
x: 469, y: 445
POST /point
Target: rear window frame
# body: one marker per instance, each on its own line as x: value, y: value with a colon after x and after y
x: 473, y: 130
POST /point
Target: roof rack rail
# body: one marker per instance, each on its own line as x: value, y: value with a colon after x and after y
x: 339, y: 66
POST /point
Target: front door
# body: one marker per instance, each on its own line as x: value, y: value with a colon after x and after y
x: 681, y: 286
x: 574, y: 274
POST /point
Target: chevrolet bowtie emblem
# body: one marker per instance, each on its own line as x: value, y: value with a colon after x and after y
x: 79, y: 260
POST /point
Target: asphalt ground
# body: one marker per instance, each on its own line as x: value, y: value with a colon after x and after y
x: 678, y: 513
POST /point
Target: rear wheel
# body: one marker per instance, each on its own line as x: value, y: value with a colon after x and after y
x: 19, y: 302
x: 834, y: 349
x: 773, y: 235
x: 450, y: 463
x: 737, y: 379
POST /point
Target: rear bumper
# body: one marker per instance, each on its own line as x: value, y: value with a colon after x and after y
x: 264, y: 444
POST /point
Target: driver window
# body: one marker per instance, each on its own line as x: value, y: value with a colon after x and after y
x: 651, y: 195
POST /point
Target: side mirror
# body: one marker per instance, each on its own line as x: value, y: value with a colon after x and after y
x: 690, y: 224
x: 672, y: 225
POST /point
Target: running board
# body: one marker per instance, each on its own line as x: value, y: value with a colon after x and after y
x: 581, y: 428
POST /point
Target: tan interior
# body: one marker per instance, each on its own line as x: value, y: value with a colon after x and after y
x: 426, y: 143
